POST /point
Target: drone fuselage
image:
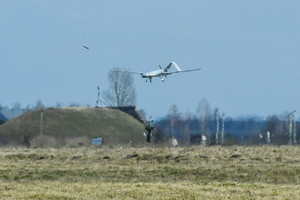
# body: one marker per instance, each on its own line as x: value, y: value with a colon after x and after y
x: 155, y: 73
x: 161, y: 72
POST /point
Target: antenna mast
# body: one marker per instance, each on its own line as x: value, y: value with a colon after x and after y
x: 41, y: 123
x: 99, y: 98
x: 222, y: 134
x: 291, y: 127
x: 295, y: 140
x: 217, y: 132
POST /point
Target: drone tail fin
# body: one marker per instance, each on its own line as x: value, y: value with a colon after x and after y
x: 170, y: 65
x: 176, y: 66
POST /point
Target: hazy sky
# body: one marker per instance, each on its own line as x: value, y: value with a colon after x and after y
x: 250, y: 49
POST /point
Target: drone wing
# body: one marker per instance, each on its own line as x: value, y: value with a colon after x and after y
x: 188, y: 70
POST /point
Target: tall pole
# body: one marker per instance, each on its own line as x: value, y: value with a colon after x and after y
x: 295, y: 140
x: 203, y: 121
x: 286, y: 126
x: 99, y: 98
x: 291, y: 127
x: 222, y: 134
x: 217, y: 132
x: 41, y: 123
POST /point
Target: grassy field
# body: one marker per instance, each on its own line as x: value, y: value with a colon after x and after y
x: 150, y: 172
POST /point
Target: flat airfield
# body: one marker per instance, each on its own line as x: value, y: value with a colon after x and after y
x: 150, y: 172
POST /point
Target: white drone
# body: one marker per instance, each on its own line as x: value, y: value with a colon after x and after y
x: 161, y: 72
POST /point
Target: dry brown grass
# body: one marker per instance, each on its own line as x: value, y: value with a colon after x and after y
x: 125, y: 172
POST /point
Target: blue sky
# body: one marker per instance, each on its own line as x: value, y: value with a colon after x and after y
x: 250, y: 50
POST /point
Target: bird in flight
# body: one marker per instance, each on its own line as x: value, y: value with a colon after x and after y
x: 86, y: 47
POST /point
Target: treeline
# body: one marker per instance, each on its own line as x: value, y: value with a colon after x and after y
x: 7, y: 113
x: 252, y: 131
x: 217, y: 129
x: 188, y: 128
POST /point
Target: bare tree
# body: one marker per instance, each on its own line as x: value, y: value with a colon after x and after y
x: 275, y: 126
x: 39, y: 105
x: 121, y: 90
x: 174, y: 117
x: 204, y: 113
x: 186, y: 130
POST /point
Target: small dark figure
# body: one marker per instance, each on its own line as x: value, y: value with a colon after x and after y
x: 149, y: 129
x: 26, y: 139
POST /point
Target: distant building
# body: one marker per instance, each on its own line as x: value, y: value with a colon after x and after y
x: 131, y: 110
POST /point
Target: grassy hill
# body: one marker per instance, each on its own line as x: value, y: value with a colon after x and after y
x: 76, y: 124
